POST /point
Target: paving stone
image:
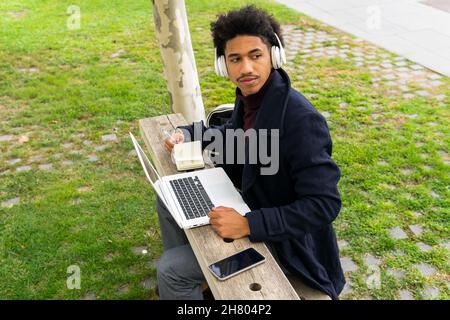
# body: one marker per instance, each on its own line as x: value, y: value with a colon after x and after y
x: 87, y: 142
x: 348, y: 265
x: 408, y: 95
x: 140, y: 250
x: 403, y: 70
x: 57, y: 155
x: 424, y: 247
x: 342, y: 244
x: 101, y: 147
x: 92, y: 158
x: 109, y: 137
x: 417, y: 214
x: 446, y: 245
x: 389, y: 77
x: 13, y: 161
x: 11, y: 202
x: 435, y: 83
x: 416, y: 67
x: 372, y: 261
x: 416, y: 229
x: 347, y: 288
x: 36, y: 158
x: 132, y: 153
x: 148, y: 283
x: 425, y: 269
x: 76, y: 201
x: 430, y: 292
x: 326, y: 114
x: 399, y: 58
x: 123, y: 289
x: 118, y: 53
x: 67, y: 145
x: 47, y: 166
x: 434, y: 194
x: 406, y: 295
x: 67, y: 162
x: 397, y: 233
x: 405, y: 172
x: 390, y: 186
x: 89, y: 296
x: 397, y: 274
x: 434, y: 76
x: 79, y: 135
x: 382, y: 163
x: 23, y: 169
x: 76, y: 152
x: 110, y: 256
x: 404, y: 88
x: 152, y: 264
x: 6, y: 138
x: 84, y: 189
x: 398, y: 253
x: 23, y: 138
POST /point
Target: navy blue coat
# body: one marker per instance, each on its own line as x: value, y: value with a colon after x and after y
x: 292, y: 210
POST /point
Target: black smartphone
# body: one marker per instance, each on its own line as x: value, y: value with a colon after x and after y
x: 232, y: 265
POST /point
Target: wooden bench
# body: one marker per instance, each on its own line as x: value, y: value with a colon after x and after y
x: 265, y: 281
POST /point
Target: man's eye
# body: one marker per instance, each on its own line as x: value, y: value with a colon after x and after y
x: 234, y: 60
x: 256, y: 56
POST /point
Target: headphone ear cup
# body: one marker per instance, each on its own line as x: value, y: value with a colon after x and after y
x: 282, y: 56
x: 223, y: 67
x: 278, y: 54
x: 276, y: 58
x: 216, y: 67
x: 216, y: 63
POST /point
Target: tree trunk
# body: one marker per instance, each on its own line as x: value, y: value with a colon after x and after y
x: 180, y: 71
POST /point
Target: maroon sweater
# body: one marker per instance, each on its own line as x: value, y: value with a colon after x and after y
x: 253, y: 102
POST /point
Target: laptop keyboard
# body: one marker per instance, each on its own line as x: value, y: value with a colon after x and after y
x: 192, y: 197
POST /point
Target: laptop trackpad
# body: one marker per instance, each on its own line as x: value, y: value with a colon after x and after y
x: 224, y: 194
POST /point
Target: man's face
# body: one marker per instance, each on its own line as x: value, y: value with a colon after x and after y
x: 248, y: 63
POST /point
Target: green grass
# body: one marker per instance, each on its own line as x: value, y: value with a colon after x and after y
x: 80, y: 89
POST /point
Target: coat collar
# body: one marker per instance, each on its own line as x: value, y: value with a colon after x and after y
x: 270, y: 116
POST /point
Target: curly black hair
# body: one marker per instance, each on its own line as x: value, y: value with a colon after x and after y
x: 248, y: 20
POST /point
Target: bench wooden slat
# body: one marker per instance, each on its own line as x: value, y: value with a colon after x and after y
x: 208, y: 247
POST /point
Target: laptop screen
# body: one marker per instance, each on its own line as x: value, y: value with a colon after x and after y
x: 150, y: 171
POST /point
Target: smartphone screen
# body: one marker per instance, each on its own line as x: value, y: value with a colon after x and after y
x: 236, y: 263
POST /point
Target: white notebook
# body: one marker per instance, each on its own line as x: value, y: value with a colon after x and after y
x: 188, y: 155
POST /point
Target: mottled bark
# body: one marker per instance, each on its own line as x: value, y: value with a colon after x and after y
x: 180, y: 71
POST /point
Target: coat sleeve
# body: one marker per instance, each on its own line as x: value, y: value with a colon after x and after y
x: 314, y: 176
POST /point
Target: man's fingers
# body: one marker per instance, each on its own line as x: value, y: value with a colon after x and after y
x: 168, y: 144
x: 213, y: 215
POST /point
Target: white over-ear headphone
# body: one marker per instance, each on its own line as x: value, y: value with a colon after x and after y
x: 277, y: 53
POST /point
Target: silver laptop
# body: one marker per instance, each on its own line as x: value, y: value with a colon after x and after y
x: 190, y: 196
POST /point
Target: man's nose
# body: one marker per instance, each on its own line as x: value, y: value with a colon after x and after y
x: 246, y: 66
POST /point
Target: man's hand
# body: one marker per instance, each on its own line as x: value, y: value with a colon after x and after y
x: 228, y: 223
x: 175, y: 138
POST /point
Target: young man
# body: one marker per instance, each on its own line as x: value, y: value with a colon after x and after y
x: 293, y: 209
